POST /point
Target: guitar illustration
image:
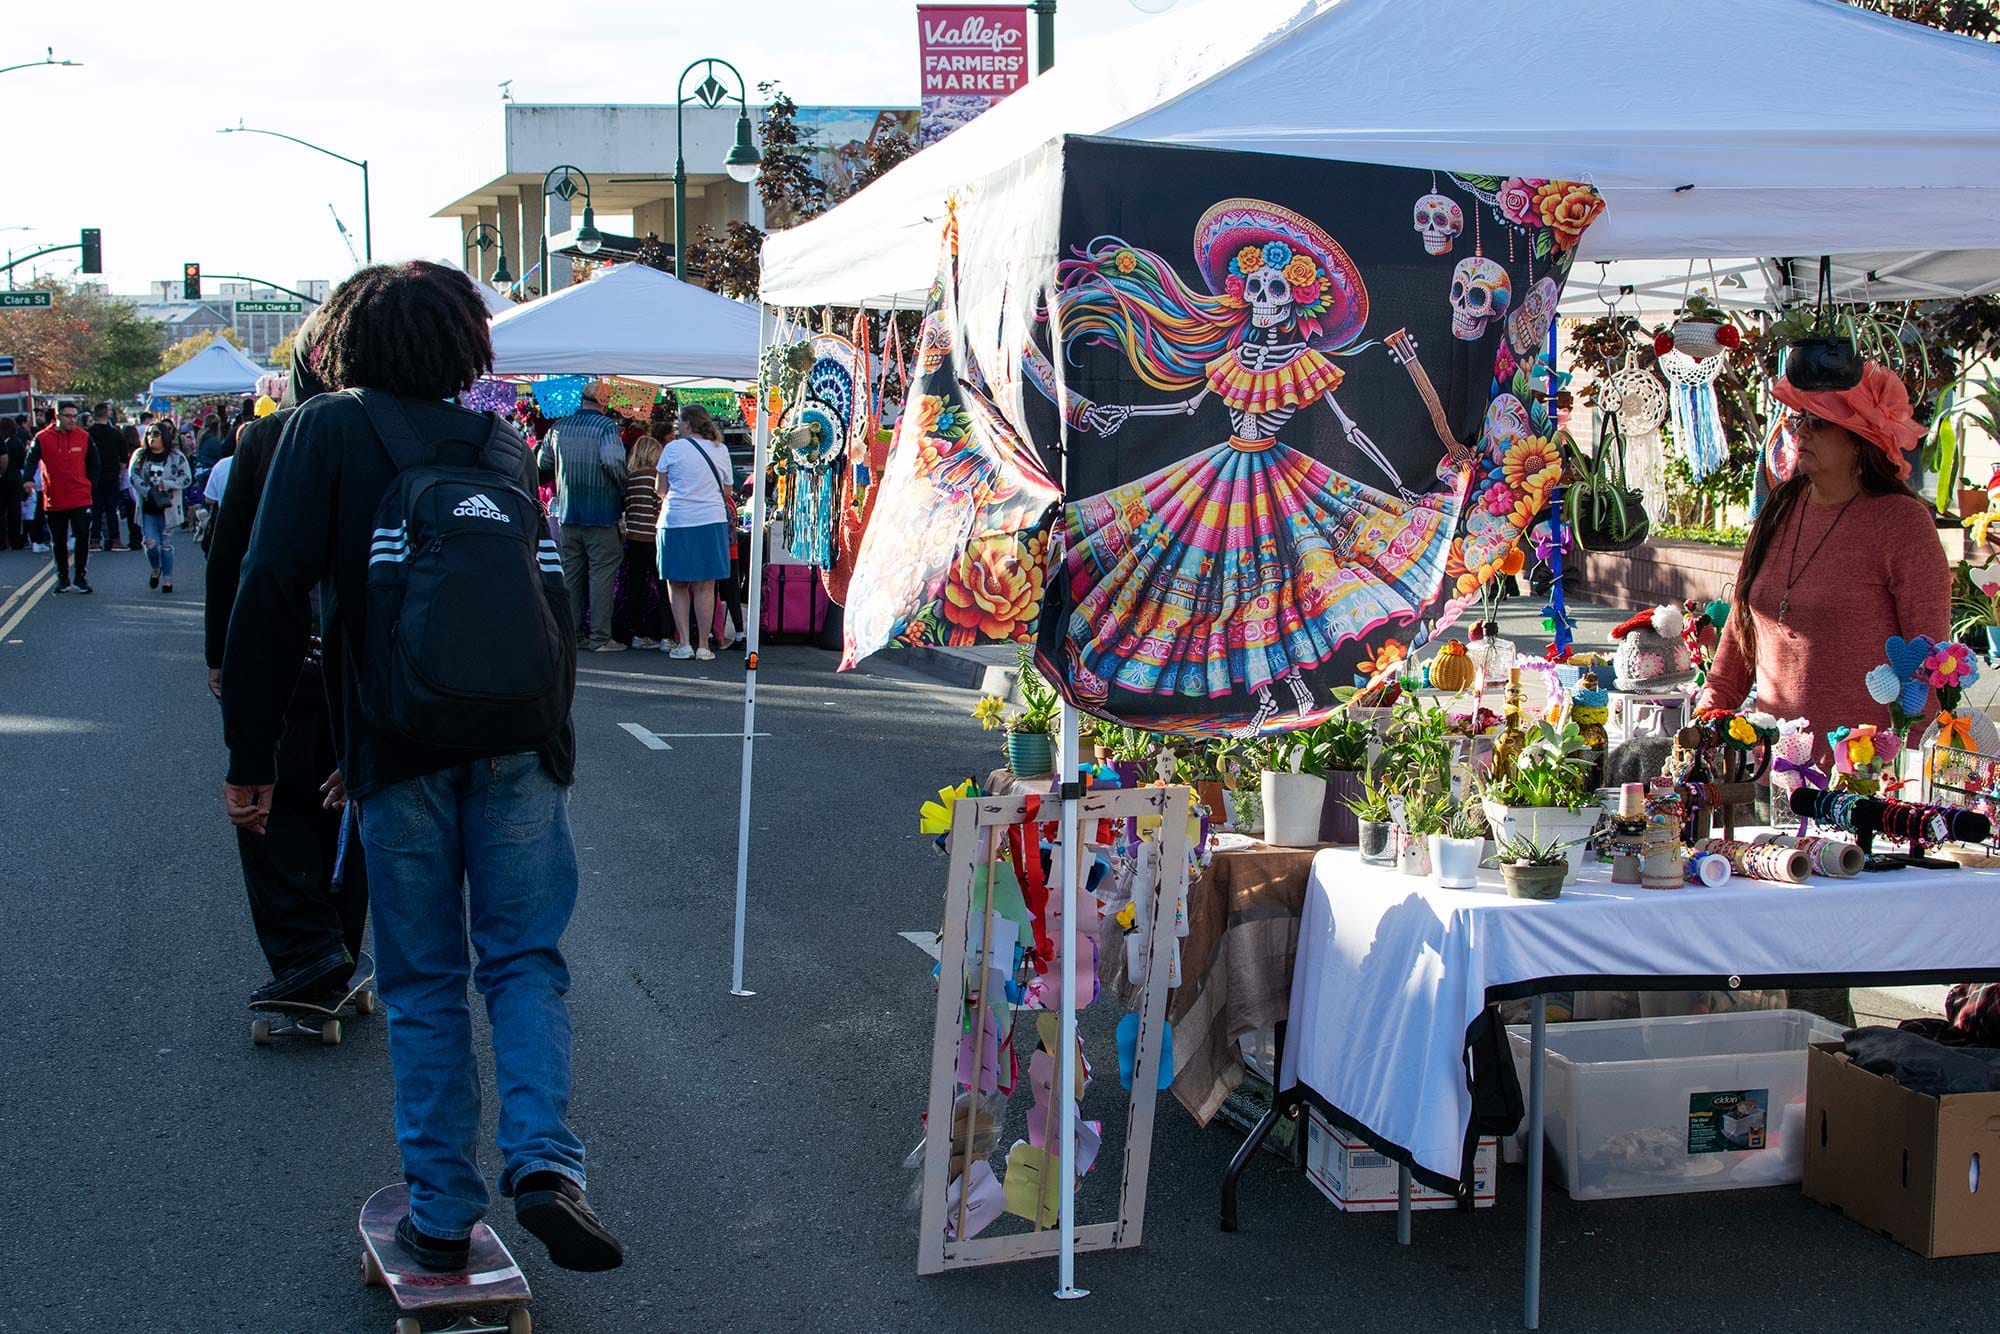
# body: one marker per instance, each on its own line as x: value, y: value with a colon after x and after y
x: 1404, y: 348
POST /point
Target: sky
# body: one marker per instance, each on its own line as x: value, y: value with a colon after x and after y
x: 128, y: 142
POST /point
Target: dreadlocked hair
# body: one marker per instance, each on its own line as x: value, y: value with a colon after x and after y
x: 416, y: 329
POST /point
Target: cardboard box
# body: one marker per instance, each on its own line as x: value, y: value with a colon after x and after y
x: 1360, y: 1180
x: 1923, y: 1170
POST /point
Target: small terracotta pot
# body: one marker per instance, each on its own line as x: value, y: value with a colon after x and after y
x: 1971, y: 500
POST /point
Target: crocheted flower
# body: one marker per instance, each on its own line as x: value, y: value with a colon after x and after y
x: 1949, y: 667
x: 1300, y: 271
x: 1860, y: 750
x: 1248, y: 260
x: 1567, y: 207
x: 1516, y: 198
x: 995, y: 586
x: 1741, y: 731
x: 1277, y: 254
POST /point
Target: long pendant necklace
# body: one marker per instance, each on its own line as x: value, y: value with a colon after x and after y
x: 1792, y: 565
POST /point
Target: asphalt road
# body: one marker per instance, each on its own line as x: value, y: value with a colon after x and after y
x: 168, y: 1176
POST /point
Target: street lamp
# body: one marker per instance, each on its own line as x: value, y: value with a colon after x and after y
x: 485, y: 235
x: 50, y: 59
x: 367, y: 229
x: 588, y: 239
x: 743, y: 162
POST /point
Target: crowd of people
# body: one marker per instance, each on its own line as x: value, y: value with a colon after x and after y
x: 98, y: 483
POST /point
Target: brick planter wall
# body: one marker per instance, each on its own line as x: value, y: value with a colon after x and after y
x: 1659, y: 571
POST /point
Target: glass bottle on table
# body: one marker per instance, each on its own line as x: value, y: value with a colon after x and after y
x: 1507, y: 746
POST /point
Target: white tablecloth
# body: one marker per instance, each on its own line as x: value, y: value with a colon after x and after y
x: 1392, y: 970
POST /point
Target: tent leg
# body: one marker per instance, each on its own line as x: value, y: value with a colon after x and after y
x: 759, y: 460
x: 1066, y: 769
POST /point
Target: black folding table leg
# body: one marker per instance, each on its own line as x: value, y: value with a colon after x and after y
x: 1281, y: 1102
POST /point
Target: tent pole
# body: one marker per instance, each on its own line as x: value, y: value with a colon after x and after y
x: 1072, y: 868
x: 759, y: 459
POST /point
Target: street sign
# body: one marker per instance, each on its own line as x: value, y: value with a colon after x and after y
x: 23, y: 300
x: 6, y: 365
x: 269, y: 307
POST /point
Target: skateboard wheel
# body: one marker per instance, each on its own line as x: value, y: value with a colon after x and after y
x: 519, y: 1321
x: 407, y: 1324
x: 260, y: 1032
x: 365, y: 1002
x: 371, y: 1273
x: 329, y: 1032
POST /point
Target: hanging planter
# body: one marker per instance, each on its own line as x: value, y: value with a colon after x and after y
x: 1605, y: 512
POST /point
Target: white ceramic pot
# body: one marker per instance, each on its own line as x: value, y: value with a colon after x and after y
x: 1455, y: 861
x: 1413, y: 853
x: 1292, y: 806
x: 1544, y: 823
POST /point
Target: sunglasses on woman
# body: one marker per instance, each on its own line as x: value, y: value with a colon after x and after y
x: 1803, y: 423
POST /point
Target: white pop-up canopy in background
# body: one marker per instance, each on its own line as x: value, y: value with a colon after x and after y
x: 629, y: 320
x: 217, y: 369
x: 1713, y: 128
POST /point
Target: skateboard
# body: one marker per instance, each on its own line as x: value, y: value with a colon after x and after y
x: 490, y: 1278
x: 296, y: 1019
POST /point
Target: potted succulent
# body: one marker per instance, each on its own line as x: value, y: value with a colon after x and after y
x: 1424, y: 817
x: 1103, y: 740
x: 1546, y: 797
x: 1029, y: 752
x: 1130, y: 749
x: 1459, y: 846
x: 1534, y: 868
x: 1198, y: 764
x: 1374, y: 829
x: 1294, y: 790
x: 1343, y: 746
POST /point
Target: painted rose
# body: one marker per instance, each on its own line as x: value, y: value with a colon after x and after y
x: 1300, y: 271
x: 1567, y: 207
x: 1517, y: 200
x: 1234, y: 286
x: 1499, y: 499
x: 995, y: 587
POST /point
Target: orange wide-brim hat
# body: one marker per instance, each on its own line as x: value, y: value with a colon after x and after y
x: 1877, y: 410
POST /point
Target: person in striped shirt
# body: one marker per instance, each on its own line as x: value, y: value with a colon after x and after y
x: 637, y: 617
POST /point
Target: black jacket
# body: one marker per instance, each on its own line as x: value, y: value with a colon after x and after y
x: 112, y: 456
x: 229, y: 534
x: 315, y: 525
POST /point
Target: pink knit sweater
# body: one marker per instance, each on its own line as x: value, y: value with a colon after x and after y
x: 1881, y: 572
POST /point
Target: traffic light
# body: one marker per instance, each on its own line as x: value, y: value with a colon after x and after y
x: 190, y: 282
x: 93, y: 250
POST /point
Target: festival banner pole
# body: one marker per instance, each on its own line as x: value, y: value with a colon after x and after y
x: 760, y: 458
x: 1071, y: 790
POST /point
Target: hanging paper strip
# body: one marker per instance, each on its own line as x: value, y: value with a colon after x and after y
x: 559, y: 395
x: 630, y: 394
x: 722, y: 404
x: 490, y: 395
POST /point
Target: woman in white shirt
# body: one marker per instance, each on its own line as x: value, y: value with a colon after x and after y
x: 696, y: 523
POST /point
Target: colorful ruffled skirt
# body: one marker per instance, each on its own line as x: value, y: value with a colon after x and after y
x: 1224, y: 572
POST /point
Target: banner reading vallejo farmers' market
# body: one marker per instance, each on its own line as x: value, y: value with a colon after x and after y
x: 973, y: 55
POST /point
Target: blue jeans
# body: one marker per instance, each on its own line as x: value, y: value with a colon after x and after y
x: 159, y: 543
x: 501, y: 827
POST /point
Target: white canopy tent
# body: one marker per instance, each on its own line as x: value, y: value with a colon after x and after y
x: 217, y: 369
x: 1714, y: 130
x: 629, y: 320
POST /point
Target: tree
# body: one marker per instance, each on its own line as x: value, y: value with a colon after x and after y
x: 49, y: 343
x: 281, y: 351
x: 84, y: 343
x: 188, y: 347
x: 1968, y: 18
x: 729, y: 263
x: 791, y: 190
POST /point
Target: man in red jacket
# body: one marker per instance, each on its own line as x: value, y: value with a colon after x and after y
x: 68, y: 461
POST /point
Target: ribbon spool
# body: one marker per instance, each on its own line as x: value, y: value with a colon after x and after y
x: 1761, y: 861
x: 1708, y: 868
x: 1830, y: 856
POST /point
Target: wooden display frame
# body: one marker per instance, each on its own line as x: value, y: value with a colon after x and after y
x: 975, y: 822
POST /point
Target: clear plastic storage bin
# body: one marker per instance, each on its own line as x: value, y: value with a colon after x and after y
x: 1664, y: 1106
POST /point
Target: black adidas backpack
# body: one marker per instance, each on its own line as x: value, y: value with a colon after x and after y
x: 470, y: 646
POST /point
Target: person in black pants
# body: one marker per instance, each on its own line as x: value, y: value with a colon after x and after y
x: 13, y: 454
x: 112, y: 456
x: 308, y: 894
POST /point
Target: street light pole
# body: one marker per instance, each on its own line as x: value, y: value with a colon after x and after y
x: 485, y: 235
x: 367, y: 222
x: 588, y: 239
x: 742, y: 162
x: 1045, y: 34
x: 49, y: 60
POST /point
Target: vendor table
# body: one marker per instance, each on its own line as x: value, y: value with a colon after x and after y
x: 1393, y: 971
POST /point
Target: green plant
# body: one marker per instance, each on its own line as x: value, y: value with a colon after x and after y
x: 1549, y: 772
x: 1467, y: 820
x: 1521, y: 850
x: 1199, y: 762
x: 1344, y: 743
x: 1371, y: 803
x: 1972, y: 609
x: 1427, y: 813
x: 1724, y: 536
x: 1417, y: 756
x: 1131, y: 744
x: 1039, y: 702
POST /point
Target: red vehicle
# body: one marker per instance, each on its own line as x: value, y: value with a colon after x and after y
x: 17, y: 397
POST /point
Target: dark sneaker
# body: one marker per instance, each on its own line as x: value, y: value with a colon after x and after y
x: 62, y: 586
x: 552, y: 1207
x: 154, y: 581
x: 323, y: 983
x: 433, y: 1253
x: 83, y: 585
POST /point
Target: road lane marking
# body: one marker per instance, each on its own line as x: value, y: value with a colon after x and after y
x: 34, y: 590
x: 652, y: 740
x: 927, y: 941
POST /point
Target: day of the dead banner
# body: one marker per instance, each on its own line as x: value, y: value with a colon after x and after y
x: 1296, y: 421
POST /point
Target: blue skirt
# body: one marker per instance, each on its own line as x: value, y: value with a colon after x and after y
x: 692, y: 555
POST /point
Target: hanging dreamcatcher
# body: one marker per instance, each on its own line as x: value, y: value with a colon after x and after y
x: 816, y: 428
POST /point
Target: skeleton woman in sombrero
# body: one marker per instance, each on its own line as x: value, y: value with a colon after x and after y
x: 1235, y: 570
